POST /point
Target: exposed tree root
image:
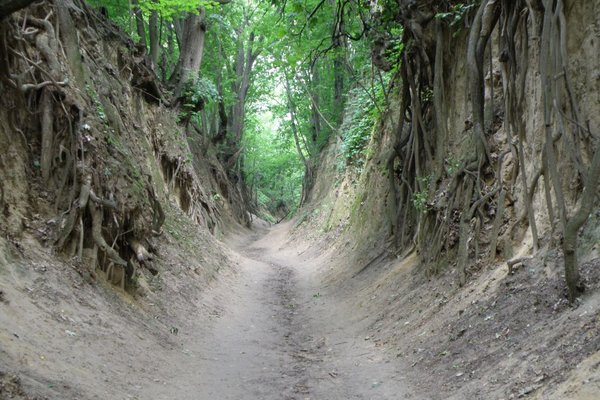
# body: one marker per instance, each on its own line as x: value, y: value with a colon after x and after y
x: 575, y: 223
x: 483, y: 25
x: 67, y: 134
x: 141, y: 253
x: 418, y: 155
x: 511, y: 263
x: 97, y: 219
x: 47, y: 134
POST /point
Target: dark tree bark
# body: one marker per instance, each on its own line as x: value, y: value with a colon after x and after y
x: 8, y: 7
x: 308, y: 165
x: 483, y: 26
x: 154, y: 37
x: 339, y: 45
x: 245, y: 59
x: 315, y: 101
x: 139, y: 22
x: 575, y: 223
x: 191, y: 33
x: 191, y: 48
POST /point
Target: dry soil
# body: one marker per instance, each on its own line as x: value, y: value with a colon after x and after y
x: 268, y: 329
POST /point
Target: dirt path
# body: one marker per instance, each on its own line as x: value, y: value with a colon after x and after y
x: 268, y: 331
x: 281, y: 337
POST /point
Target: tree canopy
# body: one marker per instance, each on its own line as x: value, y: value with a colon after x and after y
x: 266, y: 82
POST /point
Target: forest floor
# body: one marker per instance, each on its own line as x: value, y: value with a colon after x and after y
x: 272, y: 325
x: 282, y: 337
x: 264, y: 329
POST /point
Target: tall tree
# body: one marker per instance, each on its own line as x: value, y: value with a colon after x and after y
x: 139, y: 22
x: 8, y: 7
x: 307, y: 160
x: 247, y: 53
x: 154, y: 33
x: 190, y: 31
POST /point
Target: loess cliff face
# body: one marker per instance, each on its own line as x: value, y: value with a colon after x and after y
x: 110, y: 209
x: 418, y: 168
x: 480, y: 158
x: 94, y: 163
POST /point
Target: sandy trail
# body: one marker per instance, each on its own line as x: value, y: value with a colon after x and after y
x: 281, y: 336
x: 275, y: 327
x: 270, y: 330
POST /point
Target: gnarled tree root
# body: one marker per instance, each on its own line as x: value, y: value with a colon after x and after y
x: 141, y: 253
x: 97, y: 218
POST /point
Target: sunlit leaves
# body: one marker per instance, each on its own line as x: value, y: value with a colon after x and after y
x: 170, y: 8
x: 271, y: 166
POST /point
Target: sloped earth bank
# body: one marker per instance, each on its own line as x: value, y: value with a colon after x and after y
x: 262, y: 330
x: 284, y: 337
x: 504, y: 335
x: 275, y: 323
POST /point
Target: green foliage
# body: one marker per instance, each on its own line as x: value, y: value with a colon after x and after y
x: 421, y: 196
x: 358, y: 125
x: 420, y: 200
x: 199, y: 91
x: 170, y: 8
x: 453, y: 165
x: 456, y: 14
x: 297, y: 39
x: 363, y: 110
x: 117, y: 9
x: 101, y: 113
x: 396, y: 47
x: 272, y: 168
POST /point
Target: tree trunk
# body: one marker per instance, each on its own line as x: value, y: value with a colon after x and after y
x: 165, y: 60
x: 339, y: 62
x: 575, y: 223
x: 483, y: 26
x: 8, y: 7
x: 139, y: 22
x: 221, y: 121
x: 154, y: 37
x: 316, y: 118
x: 191, y: 49
x: 244, y: 63
x: 246, y: 56
x: 70, y: 42
x: 308, y: 170
x: 47, y: 129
